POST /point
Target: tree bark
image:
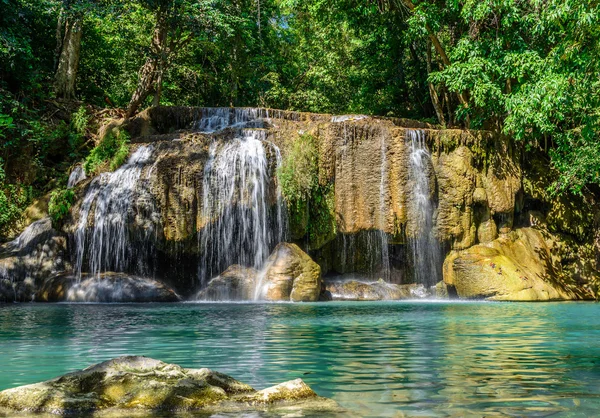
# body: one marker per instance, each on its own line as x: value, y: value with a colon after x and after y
x: 60, y: 24
x: 440, y: 50
x: 145, y: 83
x: 432, y: 92
x: 151, y: 73
x: 66, y: 72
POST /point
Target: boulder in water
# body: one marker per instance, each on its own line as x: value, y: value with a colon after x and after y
x: 515, y: 267
x: 106, y: 287
x: 36, y: 254
x: 235, y: 283
x: 379, y: 290
x: 290, y: 275
x: 127, y: 384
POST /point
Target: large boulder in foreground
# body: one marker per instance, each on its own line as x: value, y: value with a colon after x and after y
x: 137, y: 384
x: 515, y: 267
x: 237, y: 283
x: 105, y: 287
x: 290, y: 275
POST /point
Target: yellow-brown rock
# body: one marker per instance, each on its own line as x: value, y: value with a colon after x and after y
x: 514, y: 267
x: 291, y: 274
x: 132, y: 384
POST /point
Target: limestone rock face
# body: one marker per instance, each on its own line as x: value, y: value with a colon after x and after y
x: 144, y: 384
x: 107, y: 287
x: 235, y: 283
x: 481, y: 187
x: 39, y: 252
x: 290, y: 274
x: 457, y: 181
x: 515, y: 267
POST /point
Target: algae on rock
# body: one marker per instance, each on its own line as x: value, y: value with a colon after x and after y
x: 129, y: 384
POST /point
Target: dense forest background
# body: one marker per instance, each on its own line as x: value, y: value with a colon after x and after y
x: 527, y: 68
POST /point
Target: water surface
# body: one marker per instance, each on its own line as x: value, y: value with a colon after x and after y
x: 376, y: 359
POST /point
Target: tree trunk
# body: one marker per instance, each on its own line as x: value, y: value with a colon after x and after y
x: 145, y: 83
x: 440, y: 50
x: 60, y: 25
x: 432, y: 92
x: 66, y: 72
x: 151, y: 73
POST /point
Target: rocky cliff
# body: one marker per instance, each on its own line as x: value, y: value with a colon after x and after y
x: 390, y: 199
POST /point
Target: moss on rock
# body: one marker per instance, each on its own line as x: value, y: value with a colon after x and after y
x: 143, y: 384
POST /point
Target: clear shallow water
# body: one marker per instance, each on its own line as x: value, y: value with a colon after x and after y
x: 376, y: 359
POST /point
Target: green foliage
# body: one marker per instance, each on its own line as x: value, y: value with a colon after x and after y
x: 528, y: 68
x: 13, y: 200
x: 60, y: 203
x: 112, y: 150
x: 310, y: 204
x: 6, y: 123
x: 80, y: 120
x: 299, y: 172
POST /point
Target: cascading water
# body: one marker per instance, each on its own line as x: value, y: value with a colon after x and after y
x: 383, y: 239
x: 106, y: 246
x: 367, y: 252
x: 239, y: 195
x: 215, y: 119
x: 424, y: 247
x: 76, y: 177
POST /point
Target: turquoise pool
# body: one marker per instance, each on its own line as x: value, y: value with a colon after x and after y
x: 375, y: 359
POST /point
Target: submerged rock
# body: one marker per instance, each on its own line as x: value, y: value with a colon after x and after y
x: 290, y: 275
x: 235, y: 283
x: 379, y: 290
x: 106, y: 287
x: 144, y: 384
x: 515, y: 267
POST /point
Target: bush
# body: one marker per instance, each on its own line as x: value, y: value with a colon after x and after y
x: 13, y: 200
x: 60, y: 203
x: 299, y: 172
x: 310, y: 204
x: 80, y: 120
x: 113, y: 149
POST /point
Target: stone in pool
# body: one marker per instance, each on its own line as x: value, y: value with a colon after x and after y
x: 105, y: 287
x: 137, y: 384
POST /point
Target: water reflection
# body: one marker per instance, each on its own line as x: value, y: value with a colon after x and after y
x: 376, y: 359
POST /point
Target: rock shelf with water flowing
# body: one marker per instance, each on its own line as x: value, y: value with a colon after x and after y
x: 401, y: 210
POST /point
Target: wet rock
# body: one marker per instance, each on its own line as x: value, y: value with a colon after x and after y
x: 143, y: 384
x: 515, y: 267
x: 36, y: 254
x: 236, y: 283
x: 107, y: 287
x: 379, y: 290
x: 290, y: 274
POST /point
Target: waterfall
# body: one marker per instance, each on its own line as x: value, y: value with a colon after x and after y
x: 76, y: 176
x: 424, y: 247
x: 215, y: 119
x: 238, y: 195
x: 105, y: 245
x: 345, y: 118
x: 382, y: 235
x: 365, y: 252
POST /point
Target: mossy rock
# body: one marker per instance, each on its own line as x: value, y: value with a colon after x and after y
x: 515, y: 267
x: 143, y: 384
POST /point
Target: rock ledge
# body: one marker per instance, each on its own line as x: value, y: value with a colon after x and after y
x: 139, y: 384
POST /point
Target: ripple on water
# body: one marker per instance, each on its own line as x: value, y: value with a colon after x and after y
x: 376, y: 359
